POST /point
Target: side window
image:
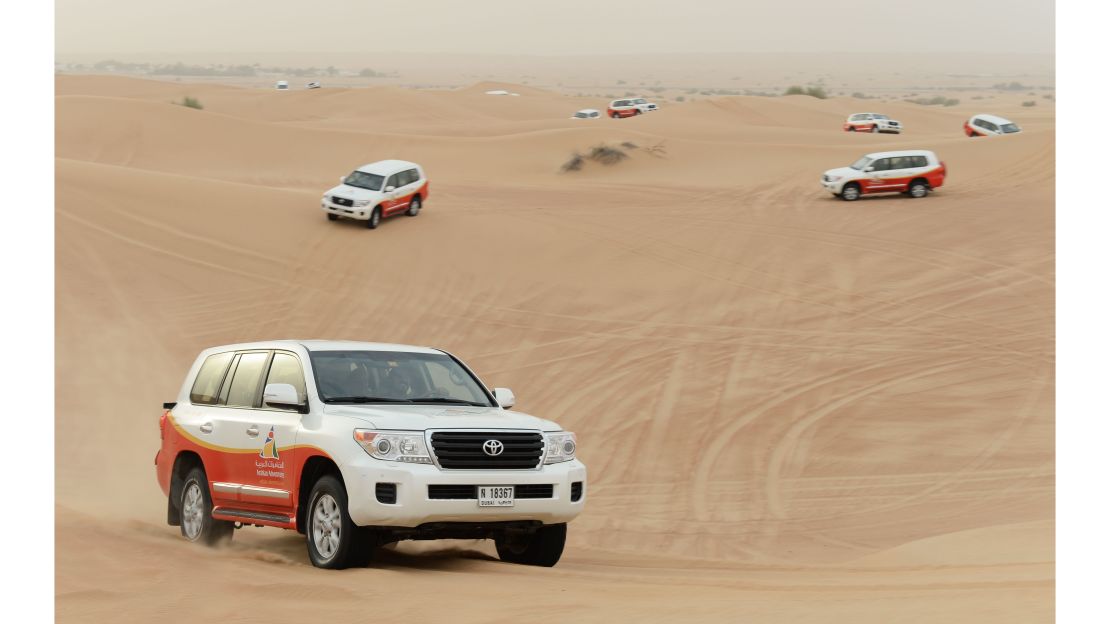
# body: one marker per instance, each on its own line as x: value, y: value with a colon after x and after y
x: 882, y: 164
x: 286, y: 368
x: 900, y: 162
x: 209, y: 377
x: 920, y: 161
x: 394, y: 181
x: 980, y: 123
x: 411, y: 177
x: 992, y: 126
x: 244, y: 384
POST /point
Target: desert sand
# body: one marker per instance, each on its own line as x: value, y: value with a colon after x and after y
x: 793, y: 409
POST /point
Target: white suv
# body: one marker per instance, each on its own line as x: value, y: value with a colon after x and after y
x: 376, y: 191
x: 872, y: 122
x: 913, y: 172
x: 360, y: 444
x: 630, y: 107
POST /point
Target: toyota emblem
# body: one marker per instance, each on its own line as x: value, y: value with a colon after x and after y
x: 493, y: 448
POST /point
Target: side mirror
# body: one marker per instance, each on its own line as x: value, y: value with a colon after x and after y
x: 390, y: 189
x: 342, y: 179
x: 505, y: 397
x: 869, y: 169
x: 280, y: 395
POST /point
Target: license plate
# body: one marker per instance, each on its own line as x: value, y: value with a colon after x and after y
x: 495, y: 495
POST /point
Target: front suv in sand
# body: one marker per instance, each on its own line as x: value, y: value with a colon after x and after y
x: 376, y: 191
x: 913, y: 172
x: 357, y: 445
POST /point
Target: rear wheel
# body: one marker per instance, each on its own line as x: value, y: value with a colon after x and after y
x: 414, y: 207
x: 333, y: 217
x: 197, y: 523
x: 375, y: 218
x: 850, y: 192
x: 918, y: 189
x: 875, y: 129
x: 851, y: 128
x: 544, y: 547
x: 334, y: 540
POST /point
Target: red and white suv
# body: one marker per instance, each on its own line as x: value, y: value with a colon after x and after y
x: 989, y: 125
x: 872, y: 122
x: 913, y: 172
x: 630, y: 107
x: 376, y: 191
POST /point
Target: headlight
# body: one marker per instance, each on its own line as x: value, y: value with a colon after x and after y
x: 362, y: 203
x: 833, y: 178
x: 560, y: 447
x: 400, y: 446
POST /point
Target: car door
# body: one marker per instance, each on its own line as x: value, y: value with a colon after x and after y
x: 389, y: 204
x: 252, y: 472
x: 272, y: 433
x: 898, y: 174
x: 407, y: 181
x: 876, y: 177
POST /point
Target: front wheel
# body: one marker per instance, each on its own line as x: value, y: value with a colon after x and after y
x: 918, y: 189
x: 375, y: 218
x: 542, y: 548
x: 334, y: 541
x: 197, y: 523
x: 414, y: 207
x: 851, y: 128
x: 333, y: 217
x: 874, y: 129
x: 850, y: 192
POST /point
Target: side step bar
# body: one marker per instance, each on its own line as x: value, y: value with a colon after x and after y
x: 245, y: 516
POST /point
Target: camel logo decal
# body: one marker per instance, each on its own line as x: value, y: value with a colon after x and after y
x: 269, y: 449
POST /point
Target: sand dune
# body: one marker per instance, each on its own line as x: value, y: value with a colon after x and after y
x: 792, y: 408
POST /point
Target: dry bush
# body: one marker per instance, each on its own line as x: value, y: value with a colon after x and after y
x: 606, y: 155
x: 574, y: 164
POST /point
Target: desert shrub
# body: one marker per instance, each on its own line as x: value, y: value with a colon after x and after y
x: 621, y: 82
x: 814, y: 91
x: 1013, y: 86
x: 629, y: 145
x: 859, y: 96
x: 937, y: 100
x: 681, y: 98
x: 191, y: 102
x: 1029, y: 103
x: 1048, y: 96
x: 370, y: 73
x: 606, y: 155
x: 574, y: 164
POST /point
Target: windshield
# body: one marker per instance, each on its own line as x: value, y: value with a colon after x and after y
x: 639, y: 101
x: 1010, y: 127
x: 361, y: 179
x: 581, y: 115
x: 880, y: 117
x: 861, y: 163
x: 395, y: 377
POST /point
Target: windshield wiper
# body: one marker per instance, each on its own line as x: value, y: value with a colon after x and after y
x: 363, y: 399
x: 447, y: 400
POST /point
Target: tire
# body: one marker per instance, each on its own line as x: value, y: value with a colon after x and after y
x: 375, y: 218
x: 874, y: 129
x: 333, y: 217
x: 334, y: 541
x: 850, y: 192
x: 197, y: 523
x: 918, y: 189
x: 851, y: 128
x: 615, y: 115
x: 542, y: 548
x: 414, y: 206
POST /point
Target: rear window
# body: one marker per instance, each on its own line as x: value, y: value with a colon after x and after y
x: 244, y: 382
x: 208, y: 380
x: 919, y: 161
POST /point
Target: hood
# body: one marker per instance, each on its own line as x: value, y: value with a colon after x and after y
x: 422, y: 417
x: 843, y: 172
x: 352, y: 192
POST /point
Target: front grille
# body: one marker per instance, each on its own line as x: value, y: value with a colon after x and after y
x: 386, y: 493
x: 470, y: 492
x: 575, y: 491
x: 342, y: 201
x: 461, y: 450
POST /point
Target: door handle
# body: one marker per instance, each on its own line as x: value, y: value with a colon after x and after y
x: 206, y: 428
x: 253, y: 431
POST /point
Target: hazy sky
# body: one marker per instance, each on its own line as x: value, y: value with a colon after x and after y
x: 551, y: 27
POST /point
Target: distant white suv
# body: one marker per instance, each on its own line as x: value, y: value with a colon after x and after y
x: 872, y: 122
x: 913, y: 172
x: 359, y: 444
x: 630, y: 107
x: 376, y: 191
x: 989, y: 125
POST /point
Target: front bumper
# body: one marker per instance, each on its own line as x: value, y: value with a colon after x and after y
x: 351, y: 212
x: 832, y: 187
x: 413, y: 507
